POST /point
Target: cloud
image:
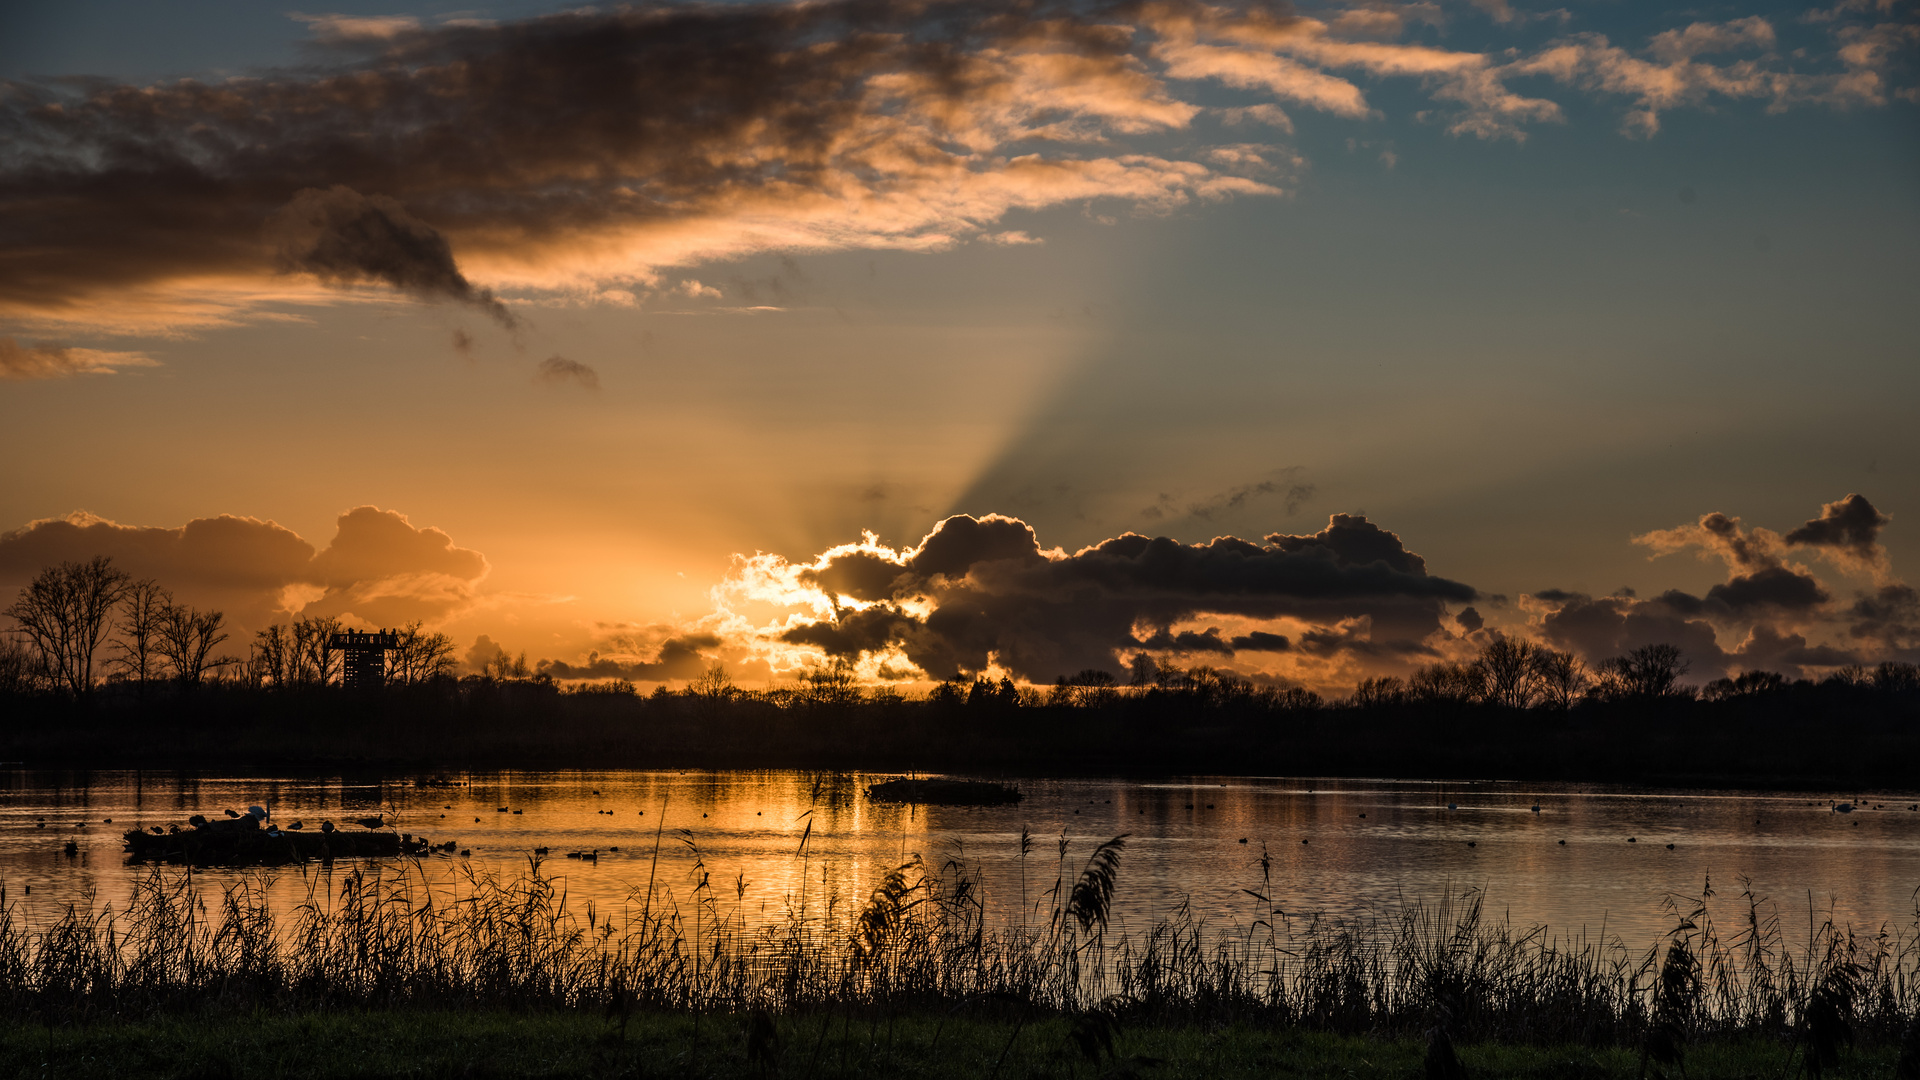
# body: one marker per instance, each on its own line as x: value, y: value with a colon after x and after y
x: 44, y: 361
x: 1717, y: 535
x: 681, y: 657
x: 559, y: 369
x: 981, y: 591
x: 1847, y: 531
x: 345, y: 28
x: 1293, y: 495
x: 1759, y: 578
x: 1888, y: 617
x: 379, y: 568
x: 1772, y: 587
x: 1270, y: 115
x: 1675, y: 76
x: 1773, y: 603
x: 343, y: 237
x: 1610, y: 626
x: 585, y: 154
x: 484, y: 651
x: 579, y: 152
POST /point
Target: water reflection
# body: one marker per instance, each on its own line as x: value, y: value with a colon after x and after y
x: 781, y: 842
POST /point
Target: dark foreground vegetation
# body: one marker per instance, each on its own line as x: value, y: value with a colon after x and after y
x: 375, y: 973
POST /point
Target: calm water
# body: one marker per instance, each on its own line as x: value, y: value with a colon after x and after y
x: 1340, y: 847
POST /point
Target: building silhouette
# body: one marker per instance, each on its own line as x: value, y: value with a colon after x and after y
x: 366, y: 651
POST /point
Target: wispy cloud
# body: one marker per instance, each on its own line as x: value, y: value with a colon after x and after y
x: 47, y: 361
x: 558, y: 369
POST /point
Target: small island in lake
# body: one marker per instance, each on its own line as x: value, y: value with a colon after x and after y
x: 943, y: 792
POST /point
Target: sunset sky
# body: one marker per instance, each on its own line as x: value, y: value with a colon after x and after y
x: 606, y: 332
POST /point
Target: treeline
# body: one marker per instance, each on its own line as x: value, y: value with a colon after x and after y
x: 1838, y: 733
x: 1516, y: 710
x: 88, y: 629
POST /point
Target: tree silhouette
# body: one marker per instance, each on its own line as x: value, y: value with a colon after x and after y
x: 143, y: 610
x: 186, y: 642
x: 66, y: 612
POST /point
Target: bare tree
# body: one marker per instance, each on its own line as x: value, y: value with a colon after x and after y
x: 313, y: 662
x: 504, y: 667
x: 1562, y: 677
x: 143, y: 612
x: 1507, y: 664
x: 20, y: 667
x: 421, y: 656
x: 186, y: 642
x: 274, y: 657
x: 1442, y: 684
x: 1650, y: 671
x: 712, y: 691
x: 829, y: 687
x: 66, y: 612
x: 1374, y: 693
x: 1091, y: 688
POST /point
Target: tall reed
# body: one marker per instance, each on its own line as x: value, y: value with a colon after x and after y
x: 387, y: 936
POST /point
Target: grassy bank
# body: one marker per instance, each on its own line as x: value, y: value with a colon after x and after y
x: 826, y: 1044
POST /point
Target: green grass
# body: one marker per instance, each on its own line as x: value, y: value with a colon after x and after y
x: 490, y: 1043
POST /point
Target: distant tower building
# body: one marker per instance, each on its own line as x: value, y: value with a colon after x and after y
x: 366, y: 659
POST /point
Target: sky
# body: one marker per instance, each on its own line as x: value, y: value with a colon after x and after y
x: 1308, y: 343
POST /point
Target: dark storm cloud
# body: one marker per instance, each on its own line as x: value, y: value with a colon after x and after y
x: 682, y: 657
x: 1470, y: 620
x: 990, y: 593
x: 345, y: 238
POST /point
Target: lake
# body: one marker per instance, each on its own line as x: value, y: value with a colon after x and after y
x: 1590, y: 857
